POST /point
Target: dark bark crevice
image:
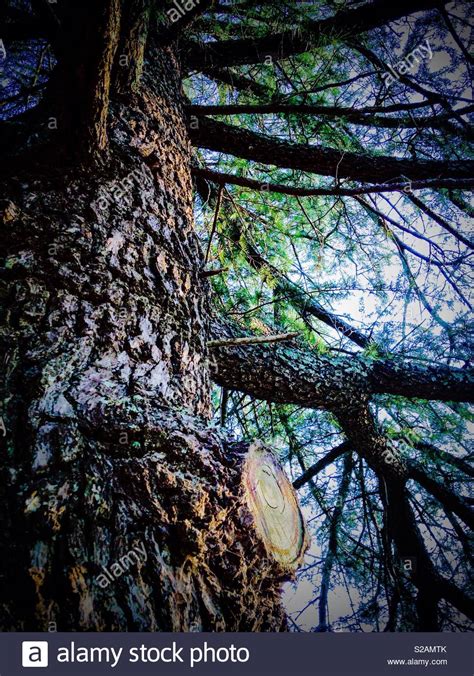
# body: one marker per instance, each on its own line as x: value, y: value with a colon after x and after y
x: 130, y: 55
x: 78, y: 93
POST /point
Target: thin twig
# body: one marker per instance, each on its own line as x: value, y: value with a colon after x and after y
x: 214, y: 223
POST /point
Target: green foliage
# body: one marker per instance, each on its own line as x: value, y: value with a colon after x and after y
x: 378, y: 261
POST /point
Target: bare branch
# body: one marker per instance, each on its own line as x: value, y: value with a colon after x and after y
x: 214, y: 135
x: 222, y: 178
x: 318, y: 467
x: 315, y: 34
x: 369, y: 116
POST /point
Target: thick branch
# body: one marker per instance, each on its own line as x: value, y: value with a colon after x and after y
x: 365, y: 117
x: 222, y: 178
x: 445, y: 383
x: 213, y: 135
x: 306, y: 378
x: 315, y: 34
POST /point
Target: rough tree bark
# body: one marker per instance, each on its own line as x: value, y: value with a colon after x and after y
x: 112, y: 469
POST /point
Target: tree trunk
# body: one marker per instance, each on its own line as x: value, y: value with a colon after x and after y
x: 124, y: 509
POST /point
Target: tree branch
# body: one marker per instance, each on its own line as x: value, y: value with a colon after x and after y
x: 333, y: 542
x: 443, y: 494
x: 393, y: 474
x: 362, y: 116
x: 303, y: 377
x: 213, y: 135
x: 222, y: 178
x: 237, y: 81
x: 432, y: 382
x: 441, y: 221
x: 301, y: 301
x: 318, y: 467
x: 316, y: 34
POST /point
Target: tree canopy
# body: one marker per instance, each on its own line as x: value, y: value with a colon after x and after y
x: 335, y: 202
x: 332, y: 175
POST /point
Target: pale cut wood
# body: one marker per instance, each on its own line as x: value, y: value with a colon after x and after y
x: 274, y: 507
